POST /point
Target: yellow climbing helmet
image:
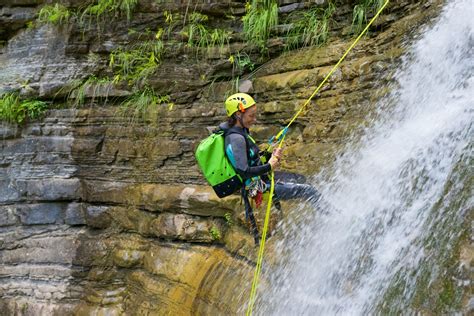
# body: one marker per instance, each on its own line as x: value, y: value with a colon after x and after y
x: 238, y: 102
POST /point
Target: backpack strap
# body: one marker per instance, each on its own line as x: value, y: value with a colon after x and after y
x: 233, y: 130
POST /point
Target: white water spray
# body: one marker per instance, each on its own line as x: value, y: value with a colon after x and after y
x: 401, y: 192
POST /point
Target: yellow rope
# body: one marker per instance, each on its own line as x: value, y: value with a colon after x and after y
x: 282, y: 135
x: 256, y: 274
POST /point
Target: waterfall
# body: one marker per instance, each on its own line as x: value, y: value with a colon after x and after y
x: 399, y: 194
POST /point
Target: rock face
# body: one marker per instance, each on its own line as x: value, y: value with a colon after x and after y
x: 104, y: 215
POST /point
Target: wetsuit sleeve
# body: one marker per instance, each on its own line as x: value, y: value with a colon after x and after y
x: 236, y: 150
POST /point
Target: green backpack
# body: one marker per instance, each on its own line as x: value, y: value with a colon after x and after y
x: 216, y: 167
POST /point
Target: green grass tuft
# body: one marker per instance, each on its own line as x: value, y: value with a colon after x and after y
x: 261, y: 17
x: 241, y: 63
x: 215, y: 233
x: 15, y: 110
x: 219, y: 38
x: 172, y: 20
x: 361, y: 11
x: 92, y: 85
x: 200, y: 36
x: 310, y: 28
x: 228, y: 219
x: 54, y: 14
x: 138, y: 63
x: 139, y: 105
x: 103, y: 7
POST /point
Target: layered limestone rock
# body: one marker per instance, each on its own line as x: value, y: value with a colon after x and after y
x: 104, y: 215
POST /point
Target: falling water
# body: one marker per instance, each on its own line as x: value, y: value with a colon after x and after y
x: 399, y: 196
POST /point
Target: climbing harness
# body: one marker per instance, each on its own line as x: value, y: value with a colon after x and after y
x: 278, y: 140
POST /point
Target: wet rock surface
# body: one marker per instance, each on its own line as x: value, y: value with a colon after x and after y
x: 103, y: 215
